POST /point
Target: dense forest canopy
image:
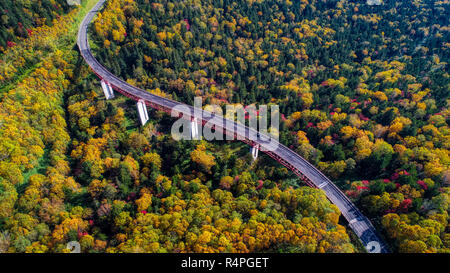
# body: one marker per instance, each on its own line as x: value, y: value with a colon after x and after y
x: 363, y: 91
x: 19, y: 17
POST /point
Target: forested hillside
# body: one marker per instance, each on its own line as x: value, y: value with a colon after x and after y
x: 75, y: 167
x: 19, y: 17
x: 363, y: 89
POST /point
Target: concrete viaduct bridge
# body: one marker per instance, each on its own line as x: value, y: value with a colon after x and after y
x: 360, y: 224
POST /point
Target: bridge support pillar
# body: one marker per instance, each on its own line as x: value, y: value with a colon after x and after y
x: 143, y: 113
x: 254, y: 151
x: 107, y: 90
x: 194, y: 128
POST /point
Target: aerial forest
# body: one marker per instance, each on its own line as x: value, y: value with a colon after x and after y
x: 364, y: 96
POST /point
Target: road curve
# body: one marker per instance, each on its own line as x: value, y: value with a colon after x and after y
x: 360, y: 224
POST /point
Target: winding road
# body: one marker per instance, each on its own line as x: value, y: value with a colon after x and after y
x: 360, y: 224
